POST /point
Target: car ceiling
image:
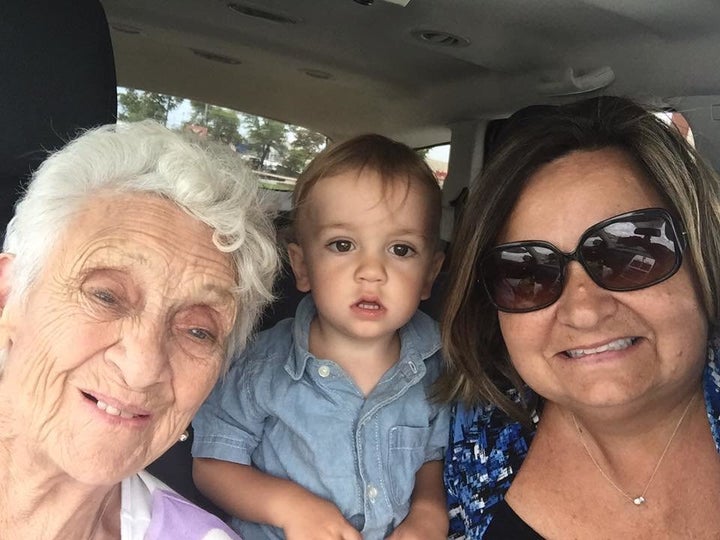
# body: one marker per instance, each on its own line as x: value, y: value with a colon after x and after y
x: 372, y: 74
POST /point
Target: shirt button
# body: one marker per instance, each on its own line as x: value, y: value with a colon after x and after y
x: 372, y: 493
x: 323, y: 371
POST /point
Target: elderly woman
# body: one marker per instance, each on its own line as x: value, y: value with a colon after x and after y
x: 579, y: 333
x: 135, y: 264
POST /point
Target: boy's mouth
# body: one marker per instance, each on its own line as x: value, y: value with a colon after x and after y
x: 368, y: 305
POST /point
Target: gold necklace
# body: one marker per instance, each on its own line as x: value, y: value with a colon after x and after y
x: 640, y: 499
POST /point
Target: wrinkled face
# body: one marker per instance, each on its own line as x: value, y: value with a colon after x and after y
x: 119, y: 340
x: 368, y: 256
x: 595, y: 347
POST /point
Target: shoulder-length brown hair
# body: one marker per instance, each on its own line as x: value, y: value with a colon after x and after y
x: 478, y: 367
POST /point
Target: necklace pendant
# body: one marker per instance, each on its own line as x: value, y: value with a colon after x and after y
x: 637, y: 501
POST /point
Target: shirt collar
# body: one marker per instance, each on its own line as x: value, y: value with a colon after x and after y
x: 300, y: 354
x: 419, y: 338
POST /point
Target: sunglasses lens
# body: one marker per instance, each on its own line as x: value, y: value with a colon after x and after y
x: 524, y: 277
x: 631, y: 254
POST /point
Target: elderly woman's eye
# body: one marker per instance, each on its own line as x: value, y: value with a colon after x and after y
x: 105, y: 296
x: 201, y: 334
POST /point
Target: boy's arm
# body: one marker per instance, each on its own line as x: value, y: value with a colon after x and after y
x: 428, y: 517
x: 252, y: 495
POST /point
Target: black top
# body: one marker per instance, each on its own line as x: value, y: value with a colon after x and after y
x: 506, y: 525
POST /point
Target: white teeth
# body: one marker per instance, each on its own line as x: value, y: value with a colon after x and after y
x: 616, y: 345
x: 364, y: 305
x: 113, y: 411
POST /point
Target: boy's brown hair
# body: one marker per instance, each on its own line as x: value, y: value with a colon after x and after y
x: 391, y: 160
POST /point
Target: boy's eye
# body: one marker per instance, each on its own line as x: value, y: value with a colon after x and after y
x: 340, y: 246
x: 401, y: 250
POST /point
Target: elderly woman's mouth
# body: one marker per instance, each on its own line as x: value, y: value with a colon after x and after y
x: 616, y: 345
x: 112, y: 410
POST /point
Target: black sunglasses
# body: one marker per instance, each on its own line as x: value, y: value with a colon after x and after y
x: 623, y: 253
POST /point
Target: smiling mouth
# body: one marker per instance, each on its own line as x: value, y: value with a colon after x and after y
x: 617, y: 345
x: 109, y: 409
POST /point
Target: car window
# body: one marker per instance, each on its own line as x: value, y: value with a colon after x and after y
x: 277, y: 152
x: 437, y: 158
x: 681, y: 123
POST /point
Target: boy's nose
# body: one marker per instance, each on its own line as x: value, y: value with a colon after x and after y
x: 372, y: 269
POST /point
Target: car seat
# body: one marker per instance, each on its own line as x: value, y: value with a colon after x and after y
x: 58, y: 77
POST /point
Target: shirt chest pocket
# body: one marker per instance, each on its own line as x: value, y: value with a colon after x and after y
x: 407, y: 450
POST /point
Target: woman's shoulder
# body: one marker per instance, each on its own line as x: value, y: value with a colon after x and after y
x: 487, y: 433
x: 153, y: 511
x: 486, y: 449
x: 711, y: 387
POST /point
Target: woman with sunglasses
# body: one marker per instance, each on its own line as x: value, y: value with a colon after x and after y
x: 579, y: 333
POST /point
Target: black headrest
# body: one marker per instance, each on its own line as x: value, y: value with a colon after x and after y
x: 57, y: 76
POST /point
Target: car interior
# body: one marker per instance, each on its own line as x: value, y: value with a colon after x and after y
x: 428, y: 73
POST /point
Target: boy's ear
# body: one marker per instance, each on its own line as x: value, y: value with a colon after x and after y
x: 299, y: 268
x: 435, y: 267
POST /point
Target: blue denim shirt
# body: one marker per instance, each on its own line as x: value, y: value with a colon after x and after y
x: 487, y: 449
x: 299, y: 417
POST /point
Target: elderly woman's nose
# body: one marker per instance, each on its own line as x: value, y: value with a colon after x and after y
x: 141, y: 355
x: 583, y: 303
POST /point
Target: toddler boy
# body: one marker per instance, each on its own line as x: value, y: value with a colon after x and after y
x: 324, y: 426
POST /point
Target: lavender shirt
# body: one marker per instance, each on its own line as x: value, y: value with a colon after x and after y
x: 152, y: 511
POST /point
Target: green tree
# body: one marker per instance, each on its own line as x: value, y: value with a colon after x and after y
x: 304, y: 147
x: 223, y: 124
x: 138, y: 105
x: 266, y: 135
x: 199, y: 113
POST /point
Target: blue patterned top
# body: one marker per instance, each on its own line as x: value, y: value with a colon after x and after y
x: 486, y: 450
